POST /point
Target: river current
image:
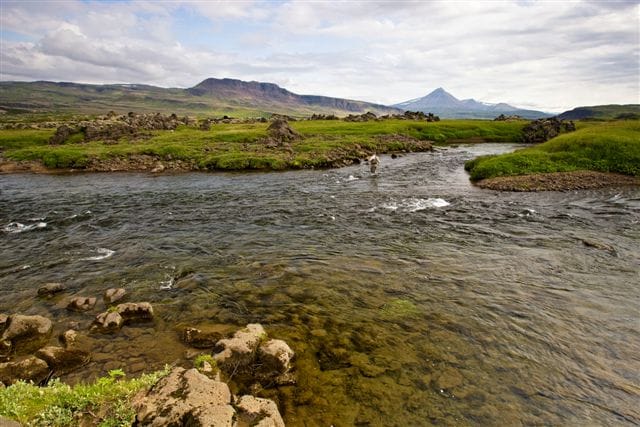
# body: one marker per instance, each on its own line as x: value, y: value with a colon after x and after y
x: 410, y: 297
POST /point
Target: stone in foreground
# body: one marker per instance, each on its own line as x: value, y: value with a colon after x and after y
x: 185, y: 398
x: 62, y: 359
x: 238, y: 352
x: 26, y: 333
x: 29, y: 368
x: 255, y: 411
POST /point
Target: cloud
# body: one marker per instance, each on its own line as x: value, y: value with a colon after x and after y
x: 546, y: 55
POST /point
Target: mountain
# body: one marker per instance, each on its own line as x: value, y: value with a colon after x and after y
x: 603, y: 112
x: 211, y: 96
x: 443, y: 104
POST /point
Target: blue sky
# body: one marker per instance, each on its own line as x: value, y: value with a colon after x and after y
x: 547, y: 55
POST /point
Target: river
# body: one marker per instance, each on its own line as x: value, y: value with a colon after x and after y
x: 410, y: 297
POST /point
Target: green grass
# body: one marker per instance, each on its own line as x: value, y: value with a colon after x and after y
x: 603, y: 147
x: 59, y: 404
x: 238, y: 146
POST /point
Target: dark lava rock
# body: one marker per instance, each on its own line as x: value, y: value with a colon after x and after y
x: 135, y: 311
x: 542, y: 130
x: 280, y: 130
x: 29, y: 368
x: 49, y: 289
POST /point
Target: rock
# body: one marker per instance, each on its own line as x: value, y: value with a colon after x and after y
x: 4, y: 321
x: 62, y: 359
x: 62, y: 134
x: 69, y: 338
x: 542, y: 130
x: 238, y: 353
x: 81, y: 303
x: 256, y: 411
x: 135, y: 311
x: 280, y: 131
x: 108, y: 321
x: 29, y: 368
x: 49, y: 289
x: 200, y: 339
x: 274, y: 360
x: 113, y: 295
x: 185, y: 397
x: 159, y: 167
x: 27, y: 333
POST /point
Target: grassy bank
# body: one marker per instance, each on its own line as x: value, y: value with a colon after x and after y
x: 105, y: 402
x: 604, y: 147
x: 239, y: 146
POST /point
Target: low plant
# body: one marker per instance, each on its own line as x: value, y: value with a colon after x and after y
x: 106, y: 401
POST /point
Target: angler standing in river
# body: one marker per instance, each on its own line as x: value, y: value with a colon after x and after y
x: 374, y: 161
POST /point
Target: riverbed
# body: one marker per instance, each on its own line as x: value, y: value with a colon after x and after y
x: 410, y: 297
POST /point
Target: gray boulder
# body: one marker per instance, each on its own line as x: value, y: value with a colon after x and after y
x: 238, y: 352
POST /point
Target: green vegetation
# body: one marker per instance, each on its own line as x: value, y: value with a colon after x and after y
x: 603, y: 112
x: 398, y: 308
x: 239, y: 146
x: 201, y: 359
x: 105, y: 402
x: 603, y: 147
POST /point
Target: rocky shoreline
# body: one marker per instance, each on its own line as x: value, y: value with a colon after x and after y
x: 558, y: 181
x: 221, y: 388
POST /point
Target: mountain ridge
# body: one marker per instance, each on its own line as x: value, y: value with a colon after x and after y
x: 211, y: 96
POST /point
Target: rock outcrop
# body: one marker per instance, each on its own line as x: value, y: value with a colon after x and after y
x: 189, y: 398
x: 542, y: 130
x: 280, y: 131
x: 116, y: 317
x: 238, y: 352
x: 81, y: 303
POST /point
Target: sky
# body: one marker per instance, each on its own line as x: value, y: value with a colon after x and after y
x: 545, y: 55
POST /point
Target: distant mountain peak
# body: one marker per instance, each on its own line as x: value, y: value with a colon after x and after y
x: 444, y: 104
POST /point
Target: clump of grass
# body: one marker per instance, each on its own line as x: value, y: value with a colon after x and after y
x: 58, y: 404
x: 603, y: 147
x: 201, y: 359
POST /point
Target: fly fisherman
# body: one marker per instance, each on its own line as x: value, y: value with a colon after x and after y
x: 374, y: 161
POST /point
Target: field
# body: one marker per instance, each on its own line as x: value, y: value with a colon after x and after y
x: 325, y: 143
x: 597, y: 146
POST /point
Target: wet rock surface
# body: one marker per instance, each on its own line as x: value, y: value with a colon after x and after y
x: 130, y: 312
x: 114, y: 295
x: 26, y: 333
x: 81, y: 303
x: 256, y: 411
x: 238, y: 352
x: 199, y: 338
x: 50, y: 289
x: 62, y: 359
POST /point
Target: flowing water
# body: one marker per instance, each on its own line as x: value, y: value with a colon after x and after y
x: 410, y: 298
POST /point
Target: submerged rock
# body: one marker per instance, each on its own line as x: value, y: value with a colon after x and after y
x: 63, y: 359
x: 81, y: 303
x: 29, y: 368
x: 26, y: 333
x: 185, y: 397
x: 50, y: 289
x: 116, y: 317
x: 238, y: 352
x: 198, y: 338
x: 113, y: 295
x: 108, y: 321
x: 255, y: 411
x: 274, y: 363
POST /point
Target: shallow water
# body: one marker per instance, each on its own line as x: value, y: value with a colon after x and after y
x: 410, y: 298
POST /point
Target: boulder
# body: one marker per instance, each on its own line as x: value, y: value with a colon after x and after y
x: 542, y: 130
x: 255, y: 411
x: 135, y: 311
x: 238, y: 352
x: 29, y: 368
x: 62, y: 359
x: 185, y: 398
x: 4, y: 321
x: 274, y: 362
x: 26, y: 333
x: 108, y: 321
x: 113, y: 295
x: 81, y: 303
x: 198, y: 338
x: 63, y: 133
x: 49, y: 289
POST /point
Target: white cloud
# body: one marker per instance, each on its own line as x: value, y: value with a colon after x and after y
x: 546, y: 55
